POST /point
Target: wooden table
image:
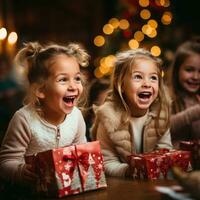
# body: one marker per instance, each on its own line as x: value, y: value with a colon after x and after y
x: 118, y: 189
x: 125, y: 189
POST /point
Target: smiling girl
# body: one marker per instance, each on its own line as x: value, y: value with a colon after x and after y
x: 135, y: 116
x: 185, y: 90
x: 49, y: 118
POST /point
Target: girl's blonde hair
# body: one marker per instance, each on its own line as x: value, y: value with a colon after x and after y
x: 123, y: 65
x: 34, y: 58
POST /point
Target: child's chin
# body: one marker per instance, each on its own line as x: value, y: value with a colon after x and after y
x: 144, y: 107
x: 69, y: 110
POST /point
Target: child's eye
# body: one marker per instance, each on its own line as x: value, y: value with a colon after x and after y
x: 78, y: 79
x: 137, y: 77
x: 189, y: 69
x: 154, y: 78
x: 62, y: 79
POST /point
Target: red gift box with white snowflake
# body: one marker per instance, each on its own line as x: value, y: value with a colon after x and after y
x: 70, y: 170
x: 158, y: 164
x: 194, y: 147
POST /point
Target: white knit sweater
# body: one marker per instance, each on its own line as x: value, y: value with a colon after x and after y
x: 28, y: 134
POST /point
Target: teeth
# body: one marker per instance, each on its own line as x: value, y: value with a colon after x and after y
x: 193, y: 83
x: 144, y: 94
x: 69, y: 99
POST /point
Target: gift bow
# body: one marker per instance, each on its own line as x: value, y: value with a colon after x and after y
x: 82, y: 161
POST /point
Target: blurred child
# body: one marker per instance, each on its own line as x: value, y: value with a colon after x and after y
x: 11, y: 94
x: 135, y: 116
x: 50, y: 117
x: 96, y: 95
x: 185, y: 89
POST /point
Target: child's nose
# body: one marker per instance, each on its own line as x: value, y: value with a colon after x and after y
x: 196, y: 75
x: 146, y: 83
x: 72, y: 85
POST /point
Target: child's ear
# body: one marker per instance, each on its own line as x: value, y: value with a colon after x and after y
x: 39, y: 92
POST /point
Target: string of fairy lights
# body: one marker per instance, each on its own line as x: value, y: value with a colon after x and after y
x: 139, y: 25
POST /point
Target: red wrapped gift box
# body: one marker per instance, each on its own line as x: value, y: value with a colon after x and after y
x: 194, y: 147
x: 69, y: 170
x: 158, y: 164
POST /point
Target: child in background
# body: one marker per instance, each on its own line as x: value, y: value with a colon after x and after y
x: 135, y: 116
x: 50, y: 118
x: 185, y: 89
x: 11, y: 93
x: 96, y: 95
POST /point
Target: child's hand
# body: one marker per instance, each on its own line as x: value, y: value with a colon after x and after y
x: 28, y: 174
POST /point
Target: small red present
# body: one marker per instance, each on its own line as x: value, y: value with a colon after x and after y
x: 149, y: 166
x: 70, y: 170
x: 158, y: 164
x: 181, y: 159
x: 194, y: 147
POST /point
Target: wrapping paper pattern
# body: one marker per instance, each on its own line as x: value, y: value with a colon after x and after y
x: 158, y: 164
x: 194, y: 147
x: 69, y: 170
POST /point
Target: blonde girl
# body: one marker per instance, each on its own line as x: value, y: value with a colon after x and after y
x: 135, y: 117
x: 49, y: 118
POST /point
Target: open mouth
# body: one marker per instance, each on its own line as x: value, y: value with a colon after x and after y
x: 193, y: 83
x: 144, y: 95
x: 69, y: 100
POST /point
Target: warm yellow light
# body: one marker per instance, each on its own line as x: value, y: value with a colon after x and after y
x: 12, y: 38
x: 153, y: 23
x: 147, y: 29
x: 155, y: 50
x: 166, y: 18
x: 102, y: 61
x: 124, y: 24
x: 162, y: 73
x: 114, y: 22
x: 144, y: 3
x: 164, y: 3
x: 104, y: 69
x: 99, y: 40
x: 145, y: 14
x: 3, y: 33
x: 108, y: 29
x: 133, y: 44
x: 109, y: 60
x: 139, y: 36
x: 97, y: 73
x: 153, y: 33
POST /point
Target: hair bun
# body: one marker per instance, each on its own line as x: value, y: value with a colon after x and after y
x: 33, y: 48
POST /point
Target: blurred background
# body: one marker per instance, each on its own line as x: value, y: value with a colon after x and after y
x: 103, y: 27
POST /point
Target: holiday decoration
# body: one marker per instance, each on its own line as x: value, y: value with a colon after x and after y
x: 137, y: 24
x: 158, y: 164
x: 69, y: 170
x: 194, y: 147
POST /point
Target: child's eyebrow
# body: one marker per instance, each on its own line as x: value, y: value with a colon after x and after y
x: 60, y: 74
x: 133, y: 71
x: 66, y: 74
x: 154, y: 73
